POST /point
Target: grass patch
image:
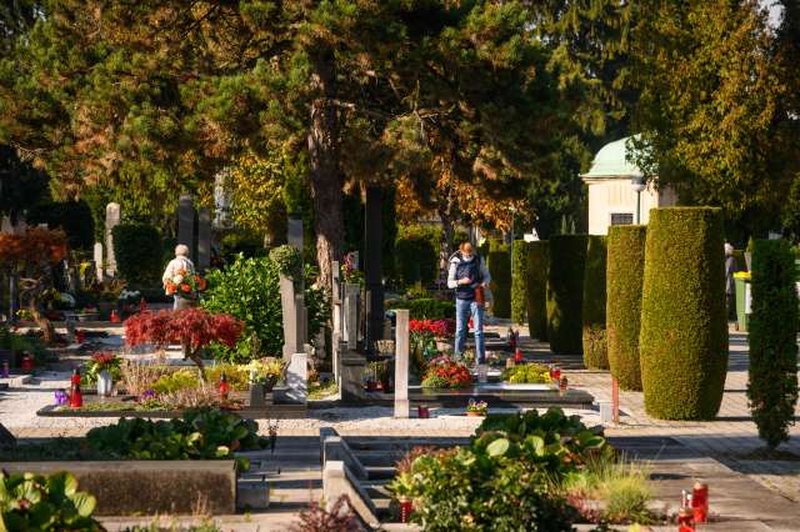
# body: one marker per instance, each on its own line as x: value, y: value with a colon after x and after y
x: 321, y: 391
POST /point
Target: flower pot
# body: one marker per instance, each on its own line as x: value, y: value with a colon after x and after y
x: 406, y: 509
x: 475, y: 413
x: 372, y: 386
x: 104, y: 383
x: 423, y: 412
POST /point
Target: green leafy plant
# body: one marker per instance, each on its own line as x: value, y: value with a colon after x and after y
x: 177, y: 380
x: 198, y: 435
x: 47, y: 503
x: 527, y: 374
x: 684, y: 328
x: 266, y: 371
x: 417, y: 254
x: 103, y: 361
x: 249, y: 290
x: 772, y: 389
x: 289, y: 261
x: 425, y: 308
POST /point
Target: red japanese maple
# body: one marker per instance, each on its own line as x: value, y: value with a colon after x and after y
x: 193, y: 328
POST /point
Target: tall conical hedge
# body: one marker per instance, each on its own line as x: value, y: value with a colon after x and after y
x: 595, y: 348
x: 499, y: 264
x: 772, y: 389
x: 565, y: 294
x: 684, y: 332
x: 538, y: 266
x: 624, y: 302
x: 519, y: 281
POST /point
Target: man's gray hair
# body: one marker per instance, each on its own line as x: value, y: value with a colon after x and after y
x: 181, y: 250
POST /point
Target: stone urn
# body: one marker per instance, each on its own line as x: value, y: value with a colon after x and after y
x: 104, y: 383
x: 257, y: 395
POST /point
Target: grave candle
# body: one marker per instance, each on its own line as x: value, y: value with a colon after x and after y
x: 223, y: 387
x: 700, y: 502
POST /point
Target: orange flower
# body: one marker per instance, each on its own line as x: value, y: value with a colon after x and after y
x: 186, y: 288
x: 201, y: 284
x: 171, y: 288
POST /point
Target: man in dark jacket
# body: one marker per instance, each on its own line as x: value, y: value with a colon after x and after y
x: 466, y: 272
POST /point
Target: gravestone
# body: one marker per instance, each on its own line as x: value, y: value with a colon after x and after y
x: 401, y: 357
x: 203, y: 239
x: 186, y: 221
x: 351, y: 313
x: 297, y: 378
x: 289, y: 313
x: 112, y: 220
x: 98, y: 261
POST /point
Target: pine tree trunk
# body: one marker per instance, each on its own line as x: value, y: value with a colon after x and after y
x: 326, y: 177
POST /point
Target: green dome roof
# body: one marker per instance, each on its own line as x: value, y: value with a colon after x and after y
x: 612, y: 161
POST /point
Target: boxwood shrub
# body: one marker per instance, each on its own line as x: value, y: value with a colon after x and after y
x: 499, y: 263
x: 772, y: 389
x: 538, y: 264
x: 684, y: 331
x: 595, y: 348
x: 519, y: 281
x: 565, y: 293
x: 425, y: 308
x: 417, y: 254
x: 624, y: 302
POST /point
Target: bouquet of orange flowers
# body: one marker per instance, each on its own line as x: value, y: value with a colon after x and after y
x: 185, y: 284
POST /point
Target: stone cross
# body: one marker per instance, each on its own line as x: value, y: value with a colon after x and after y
x: 112, y: 220
x: 297, y: 378
x: 401, y: 405
x: 203, y: 239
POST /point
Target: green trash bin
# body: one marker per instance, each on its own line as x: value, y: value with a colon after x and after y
x: 742, y: 302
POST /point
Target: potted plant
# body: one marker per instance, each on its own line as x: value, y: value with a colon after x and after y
x: 103, y: 369
x: 382, y: 371
x: 444, y: 372
x: 477, y: 408
x: 264, y: 375
x: 401, y: 487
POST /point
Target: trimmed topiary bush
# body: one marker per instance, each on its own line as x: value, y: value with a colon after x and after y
x: 519, y: 281
x: 499, y: 264
x: 538, y: 264
x: 684, y: 331
x: 595, y: 348
x: 565, y: 293
x: 624, y: 302
x: 137, y: 250
x: 772, y: 389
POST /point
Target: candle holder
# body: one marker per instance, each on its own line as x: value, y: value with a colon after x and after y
x: 423, y: 412
x: 700, y: 502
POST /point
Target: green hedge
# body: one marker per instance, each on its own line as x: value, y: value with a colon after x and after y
x: 425, y: 308
x: 595, y: 347
x: 772, y: 389
x: 519, y: 282
x: 538, y: 264
x: 684, y: 330
x: 624, y: 302
x: 565, y: 294
x: 499, y: 263
x: 137, y: 250
x: 417, y: 254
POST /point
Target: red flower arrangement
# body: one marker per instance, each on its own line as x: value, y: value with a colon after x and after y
x: 444, y: 372
x: 185, y: 284
x: 435, y: 328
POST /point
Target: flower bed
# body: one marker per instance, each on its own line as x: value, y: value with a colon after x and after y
x: 523, y: 472
x: 443, y: 372
x: 527, y: 374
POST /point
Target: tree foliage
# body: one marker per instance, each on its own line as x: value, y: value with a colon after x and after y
x: 715, y: 111
x: 478, y: 102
